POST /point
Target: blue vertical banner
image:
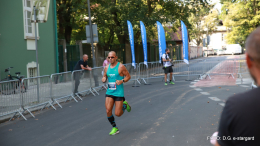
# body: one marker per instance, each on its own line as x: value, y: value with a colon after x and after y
x: 131, y: 38
x: 144, y: 41
x: 185, y: 42
x: 161, y: 40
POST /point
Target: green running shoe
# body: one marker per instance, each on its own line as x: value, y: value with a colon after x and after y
x: 172, y: 83
x: 128, y: 107
x: 165, y: 84
x: 114, y: 131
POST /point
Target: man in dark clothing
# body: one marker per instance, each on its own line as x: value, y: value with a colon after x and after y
x: 82, y: 64
x: 240, y: 119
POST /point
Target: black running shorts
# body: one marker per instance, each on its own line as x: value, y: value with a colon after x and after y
x: 116, y: 98
x: 168, y: 69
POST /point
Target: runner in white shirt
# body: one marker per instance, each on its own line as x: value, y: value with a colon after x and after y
x: 167, y: 66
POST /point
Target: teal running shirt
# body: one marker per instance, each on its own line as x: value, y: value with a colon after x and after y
x: 113, y: 75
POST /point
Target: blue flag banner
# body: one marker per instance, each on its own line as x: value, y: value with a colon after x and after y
x: 185, y: 42
x: 144, y: 41
x: 161, y: 40
x: 131, y: 38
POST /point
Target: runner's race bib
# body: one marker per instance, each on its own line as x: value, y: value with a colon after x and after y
x: 112, y: 85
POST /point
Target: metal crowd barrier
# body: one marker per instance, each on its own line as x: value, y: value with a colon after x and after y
x: 10, y: 99
x: 61, y: 87
x: 97, y: 74
x: 242, y: 68
x: 216, y: 67
x: 36, y: 96
x: 18, y: 97
x: 149, y: 71
x: 194, y: 68
x: 82, y: 78
x: 144, y: 72
x: 133, y: 71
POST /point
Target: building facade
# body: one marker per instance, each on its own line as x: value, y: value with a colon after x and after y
x: 17, y: 40
x: 217, y: 40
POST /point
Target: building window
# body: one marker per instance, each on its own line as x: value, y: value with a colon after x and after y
x: 29, y: 28
x: 32, y: 73
x: 27, y: 18
x: 222, y: 37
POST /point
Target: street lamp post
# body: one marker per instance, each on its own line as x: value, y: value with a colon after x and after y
x: 36, y: 48
x: 91, y: 35
x: 42, y: 6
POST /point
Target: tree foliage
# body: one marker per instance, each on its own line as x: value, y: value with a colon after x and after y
x: 241, y: 17
x: 111, y: 17
x: 69, y: 15
x: 202, y: 22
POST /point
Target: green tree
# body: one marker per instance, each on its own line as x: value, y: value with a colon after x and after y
x: 69, y: 14
x: 241, y: 17
x: 111, y: 17
x: 202, y: 22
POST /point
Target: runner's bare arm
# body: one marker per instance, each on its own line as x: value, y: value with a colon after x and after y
x: 104, y: 79
x: 124, y: 72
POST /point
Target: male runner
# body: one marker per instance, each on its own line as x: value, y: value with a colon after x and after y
x: 115, y: 73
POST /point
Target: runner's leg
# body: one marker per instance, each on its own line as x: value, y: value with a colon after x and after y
x: 165, y: 78
x: 109, y: 106
x: 119, y: 108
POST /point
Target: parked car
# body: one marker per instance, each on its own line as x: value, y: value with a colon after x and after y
x: 208, y: 52
x: 220, y: 52
x: 215, y: 51
x: 233, y: 49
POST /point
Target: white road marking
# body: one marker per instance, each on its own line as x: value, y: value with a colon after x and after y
x: 205, y: 93
x: 214, y: 98
x: 196, y: 80
x: 222, y: 104
x: 244, y: 86
x: 192, y: 86
x: 197, y: 89
x: 193, y: 82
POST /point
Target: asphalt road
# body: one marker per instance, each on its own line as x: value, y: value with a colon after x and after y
x: 179, y: 114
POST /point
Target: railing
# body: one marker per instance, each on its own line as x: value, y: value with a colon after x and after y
x: 20, y: 97
x: 61, y: 87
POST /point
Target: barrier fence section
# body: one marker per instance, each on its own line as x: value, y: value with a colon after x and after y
x: 97, y: 74
x: 133, y: 71
x: 149, y: 71
x: 242, y: 69
x: 217, y: 67
x: 18, y: 97
x: 61, y: 87
x: 81, y: 83
x: 10, y: 98
x: 144, y: 72
x: 33, y: 98
x: 194, y: 68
